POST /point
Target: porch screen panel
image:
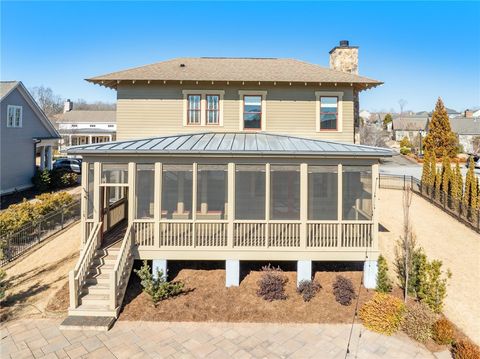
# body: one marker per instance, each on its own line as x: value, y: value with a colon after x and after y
x: 357, y: 192
x: 212, y: 192
x: 90, y: 191
x: 116, y: 173
x: 250, y: 192
x: 322, y: 193
x: 145, y: 188
x: 177, y: 188
x: 285, y: 192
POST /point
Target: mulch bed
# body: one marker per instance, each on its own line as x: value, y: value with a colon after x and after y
x: 207, y: 299
x: 60, y: 301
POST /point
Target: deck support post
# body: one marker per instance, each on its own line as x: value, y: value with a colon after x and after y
x: 304, y: 270
x: 232, y: 273
x: 231, y: 205
x: 370, y: 271
x: 161, y: 265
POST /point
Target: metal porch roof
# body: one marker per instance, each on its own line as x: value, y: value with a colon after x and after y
x: 231, y: 143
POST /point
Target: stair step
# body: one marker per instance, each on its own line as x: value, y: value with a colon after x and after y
x: 98, y: 278
x: 102, y: 266
x: 104, y: 260
x: 99, y: 270
x: 95, y: 299
x: 96, y: 289
x: 93, y: 310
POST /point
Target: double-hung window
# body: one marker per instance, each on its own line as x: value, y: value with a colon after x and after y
x: 328, y: 113
x: 252, y: 112
x: 194, y: 109
x: 14, y: 116
x: 213, y: 109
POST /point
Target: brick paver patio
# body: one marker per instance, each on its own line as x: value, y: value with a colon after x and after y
x: 41, y: 338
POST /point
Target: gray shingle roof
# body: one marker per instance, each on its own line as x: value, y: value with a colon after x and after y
x: 465, y: 125
x: 6, y: 87
x: 232, y: 143
x: 410, y: 123
x: 86, y: 116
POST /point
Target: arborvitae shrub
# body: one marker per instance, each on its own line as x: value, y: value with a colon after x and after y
x: 272, y: 284
x: 465, y: 349
x: 308, y: 289
x: 443, y: 332
x: 418, y: 321
x: 343, y: 290
x: 384, y: 283
x: 383, y: 313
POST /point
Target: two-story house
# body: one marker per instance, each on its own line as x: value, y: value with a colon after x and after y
x: 227, y: 159
x: 25, y: 132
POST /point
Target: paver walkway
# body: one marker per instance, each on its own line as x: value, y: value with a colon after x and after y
x: 41, y: 338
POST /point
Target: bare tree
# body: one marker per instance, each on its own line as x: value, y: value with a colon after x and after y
x: 402, y: 103
x: 49, y: 102
x: 81, y: 104
x: 373, y: 135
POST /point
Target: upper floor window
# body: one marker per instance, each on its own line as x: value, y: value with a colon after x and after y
x: 110, y: 125
x: 252, y: 112
x: 194, y: 109
x: 14, y: 116
x: 328, y: 113
x: 74, y: 125
x: 213, y: 102
x: 92, y: 126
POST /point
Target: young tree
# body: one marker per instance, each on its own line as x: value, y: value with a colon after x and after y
x: 446, y: 175
x: 457, y: 187
x: 387, y: 119
x: 470, y: 197
x: 440, y: 137
x: 426, y: 170
x: 384, y: 283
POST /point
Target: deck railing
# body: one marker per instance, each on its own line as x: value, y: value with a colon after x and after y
x: 115, y: 214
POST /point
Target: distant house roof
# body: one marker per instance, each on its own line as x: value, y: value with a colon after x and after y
x: 234, y: 69
x: 465, y: 125
x: 410, y: 123
x: 452, y: 111
x: 6, y: 87
x: 91, y: 131
x: 232, y: 143
x: 84, y: 116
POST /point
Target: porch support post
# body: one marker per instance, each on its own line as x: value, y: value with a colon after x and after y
x: 267, y: 204
x: 97, y: 173
x: 370, y: 271
x: 375, y: 206
x: 160, y: 264
x: 132, y: 170
x: 194, y: 204
x: 42, y: 158
x: 157, y: 204
x: 84, y: 202
x: 232, y: 272
x: 303, y: 204
x: 231, y: 204
x: 340, y: 205
x: 49, y: 157
x: 304, y: 270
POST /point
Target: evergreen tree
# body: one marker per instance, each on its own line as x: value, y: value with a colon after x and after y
x: 387, y: 119
x: 457, y: 187
x: 470, y: 197
x: 426, y: 170
x: 384, y: 283
x: 438, y: 184
x: 440, y: 137
x: 446, y: 175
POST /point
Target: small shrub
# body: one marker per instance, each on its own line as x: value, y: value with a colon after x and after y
x: 405, y: 142
x: 465, y: 349
x: 418, y: 321
x: 158, y: 288
x: 443, y: 332
x: 308, y: 289
x: 343, y: 290
x: 384, y: 283
x: 61, y: 179
x: 405, y: 150
x: 272, y: 284
x: 383, y: 313
x: 42, y: 180
x: 432, y: 284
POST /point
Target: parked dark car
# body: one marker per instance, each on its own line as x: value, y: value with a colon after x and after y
x: 68, y: 165
x: 476, y: 161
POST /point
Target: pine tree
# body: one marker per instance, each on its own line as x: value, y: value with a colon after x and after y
x: 440, y: 137
x: 470, y: 197
x: 426, y: 169
x: 457, y: 187
x: 438, y: 184
x: 446, y: 177
x: 384, y: 283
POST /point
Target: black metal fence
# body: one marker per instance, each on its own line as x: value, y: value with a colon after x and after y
x: 454, y: 207
x: 14, y: 244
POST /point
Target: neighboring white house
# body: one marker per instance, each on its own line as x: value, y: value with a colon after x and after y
x: 82, y: 127
x: 410, y: 127
x: 467, y: 130
x: 25, y: 132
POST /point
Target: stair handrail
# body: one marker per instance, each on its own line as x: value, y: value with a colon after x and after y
x: 120, y: 263
x: 78, y: 274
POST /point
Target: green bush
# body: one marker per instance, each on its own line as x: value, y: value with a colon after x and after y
x: 158, y: 288
x: 384, y: 283
x: 443, y: 332
x: 405, y: 142
x: 383, y: 313
x: 42, y: 180
x: 418, y: 321
x: 405, y: 150
x: 62, y: 179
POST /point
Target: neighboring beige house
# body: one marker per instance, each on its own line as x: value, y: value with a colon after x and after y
x: 227, y: 159
x: 467, y: 130
x: 410, y: 127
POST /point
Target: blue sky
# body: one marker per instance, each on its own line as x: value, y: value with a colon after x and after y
x: 421, y: 50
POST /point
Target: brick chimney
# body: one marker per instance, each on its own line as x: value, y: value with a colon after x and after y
x: 344, y: 58
x: 468, y: 113
x: 67, y: 106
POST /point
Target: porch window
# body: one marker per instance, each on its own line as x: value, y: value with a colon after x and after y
x: 328, y: 113
x: 213, y: 102
x: 212, y: 191
x: 90, y: 187
x: 357, y: 193
x: 194, y: 109
x: 252, y: 112
x: 250, y: 192
x: 177, y: 188
x: 322, y: 193
x: 115, y: 173
x: 285, y: 192
x: 145, y: 191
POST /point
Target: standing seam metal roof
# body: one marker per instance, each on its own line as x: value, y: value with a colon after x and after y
x: 231, y: 143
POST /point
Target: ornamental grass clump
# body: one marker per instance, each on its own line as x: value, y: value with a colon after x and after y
x: 418, y: 321
x: 343, y: 290
x: 383, y: 313
x: 465, y: 349
x: 308, y: 289
x: 443, y: 332
x: 272, y: 284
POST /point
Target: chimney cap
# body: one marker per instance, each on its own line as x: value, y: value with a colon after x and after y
x: 343, y: 44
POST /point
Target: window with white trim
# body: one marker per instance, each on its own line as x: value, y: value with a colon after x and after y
x: 203, y: 107
x: 213, y: 109
x: 252, y: 112
x: 194, y: 109
x: 14, y: 116
x: 328, y: 113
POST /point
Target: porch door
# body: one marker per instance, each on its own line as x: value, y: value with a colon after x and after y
x: 114, y: 206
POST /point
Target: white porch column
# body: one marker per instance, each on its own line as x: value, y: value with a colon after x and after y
x: 232, y: 273
x: 89, y: 139
x: 109, y: 138
x: 84, y: 202
x: 161, y: 265
x: 157, y: 204
x: 303, y: 204
x: 304, y: 270
x: 132, y: 171
x: 375, y: 206
x: 97, y: 173
x: 339, y: 204
x: 231, y: 204
x: 49, y: 158
x: 42, y: 158
x: 267, y: 203
x: 370, y: 271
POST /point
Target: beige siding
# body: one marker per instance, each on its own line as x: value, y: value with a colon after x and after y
x: 155, y: 110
